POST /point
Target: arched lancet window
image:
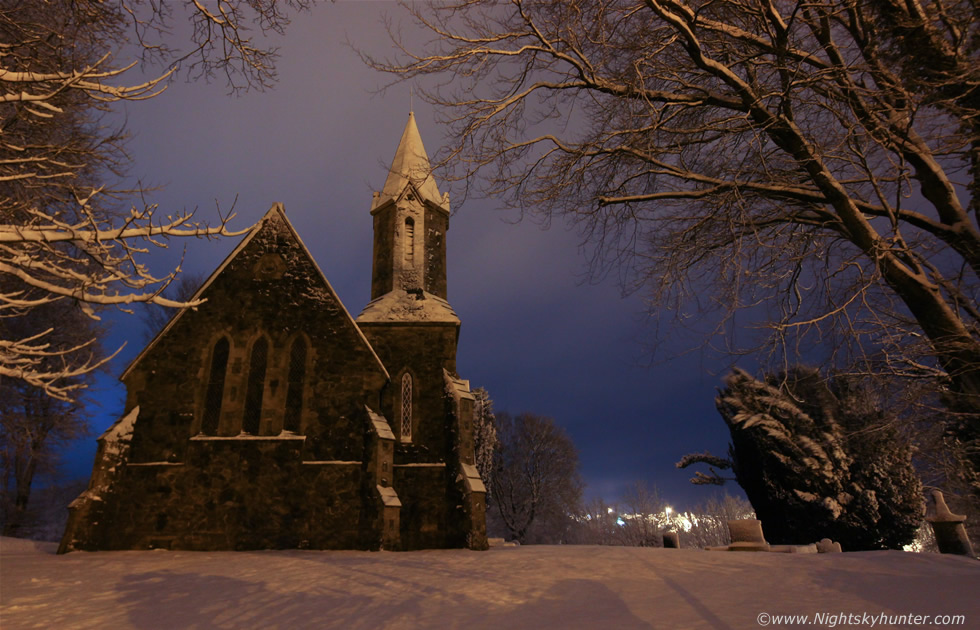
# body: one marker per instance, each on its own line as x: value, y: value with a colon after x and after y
x: 294, y: 388
x: 216, y: 387
x: 255, y: 387
x: 406, y: 425
x: 409, y: 242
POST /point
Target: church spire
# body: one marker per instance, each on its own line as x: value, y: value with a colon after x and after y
x: 411, y: 218
x: 410, y: 168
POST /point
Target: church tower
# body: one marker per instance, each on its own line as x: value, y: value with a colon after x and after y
x: 414, y: 330
x: 411, y: 218
x: 408, y: 321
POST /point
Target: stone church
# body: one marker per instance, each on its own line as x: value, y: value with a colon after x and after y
x: 270, y: 418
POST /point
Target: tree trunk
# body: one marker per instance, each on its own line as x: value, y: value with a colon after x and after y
x: 15, y: 520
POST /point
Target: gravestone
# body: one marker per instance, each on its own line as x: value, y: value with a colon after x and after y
x: 951, y: 536
x: 826, y: 545
x: 747, y: 535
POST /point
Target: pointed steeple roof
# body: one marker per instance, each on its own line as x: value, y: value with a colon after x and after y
x: 411, y: 167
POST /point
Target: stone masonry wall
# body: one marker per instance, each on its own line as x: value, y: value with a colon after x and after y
x: 382, y: 274
x: 436, y: 226
x: 233, y: 494
x: 230, y: 491
x: 425, y: 506
x: 245, y: 301
x: 186, y: 484
x: 424, y: 350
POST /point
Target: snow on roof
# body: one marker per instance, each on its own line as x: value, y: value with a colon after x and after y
x: 277, y: 210
x: 410, y: 167
x: 389, y: 497
x: 458, y: 387
x: 421, y: 465
x: 402, y: 306
x: 381, y: 426
x: 471, y: 477
x: 120, y: 431
x: 113, y: 449
x: 282, y: 437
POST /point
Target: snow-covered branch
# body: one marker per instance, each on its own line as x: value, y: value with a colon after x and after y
x: 30, y: 360
x: 813, y: 165
x: 63, y: 235
x: 734, y: 155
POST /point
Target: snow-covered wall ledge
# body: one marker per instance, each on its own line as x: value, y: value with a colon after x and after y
x: 245, y: 436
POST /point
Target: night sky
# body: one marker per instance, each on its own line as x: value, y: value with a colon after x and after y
x: 535, y: 333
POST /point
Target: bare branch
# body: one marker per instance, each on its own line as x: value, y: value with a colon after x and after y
x: 802, y: 162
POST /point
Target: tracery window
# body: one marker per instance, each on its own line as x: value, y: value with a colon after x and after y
x: 294, y: 388
x: 216, y: 387
x: 255, y: 387
x: 406, y: 425
x: 409, y: 242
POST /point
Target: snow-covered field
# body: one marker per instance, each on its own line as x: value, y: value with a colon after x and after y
x: 504, y: 588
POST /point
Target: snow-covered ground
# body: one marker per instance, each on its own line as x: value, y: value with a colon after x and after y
x: 504, y: 588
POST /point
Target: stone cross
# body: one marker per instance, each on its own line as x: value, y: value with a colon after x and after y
x: 951, y: 536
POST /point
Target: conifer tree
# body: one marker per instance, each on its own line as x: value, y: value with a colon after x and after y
x: 817, y: 459
x: 484, y: 435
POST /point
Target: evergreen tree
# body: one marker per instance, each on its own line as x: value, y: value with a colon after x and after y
x: 817, y: 459
x: 484, y: 435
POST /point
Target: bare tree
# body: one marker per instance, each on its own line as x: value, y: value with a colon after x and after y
x: 596, y: 524
x: 33, y: 425
x: 62, y: 234
x: 709, y: 521
x: 156, y: 317
x: 643, y: 517
x: 817, y: 162
x: 535, y: 485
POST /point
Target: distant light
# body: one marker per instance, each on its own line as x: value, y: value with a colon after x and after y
x: 668, y: 510
x: 620, y: 522
x: 609, y: 510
